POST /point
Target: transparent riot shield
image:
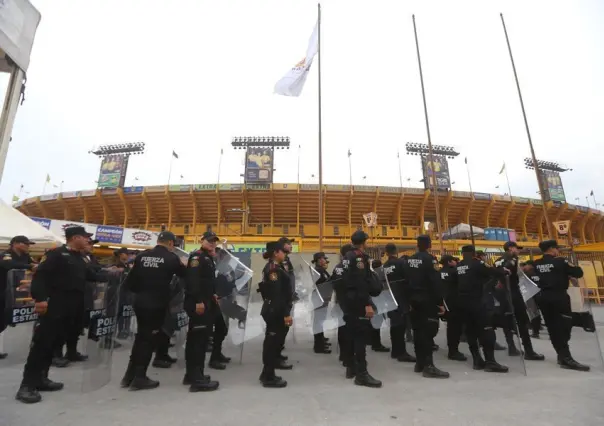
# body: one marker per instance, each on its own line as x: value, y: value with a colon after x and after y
x: 302, y: 311
x: 102, y: 330
x: 383, y: 303
x: 529, y: 291
x: 585, y: 344
x: 16, y: 327
x: 326, y: 314
x: 234, y: 281
x: 176, y: 322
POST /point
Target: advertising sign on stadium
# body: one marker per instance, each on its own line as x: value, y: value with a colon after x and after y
x: 139, y: 237
x: 481, y: 196
x: 42, y: 221
x: 229, y: 187
x: 109, y: 234
x: 49, y: 197
x: 390, y: 189
x: 462, y: 194
x: 155, y: 188
x: 59, y: 227
x: 553, y: 184
x: 364, y: 188
x: 109, y: 191
x: 256, y: 187
x: 341, y: 188
x: 259, y: 165
x: 88, y: 193
x: 309, y: 187
x: 206, y: 187
x: 537, y: 202
x: 413, y: 190
x: 180, y: 188
x: 113, y: 171
x: 439, y: 177
x: 133, y: 190
x: 72, y: 194
x: 287, y: 186
x: 520, y: 200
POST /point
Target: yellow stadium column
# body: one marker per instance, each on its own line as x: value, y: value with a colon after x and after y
x: 170, y: 207
x: 272, y: 198
x: 147, y: 208
x: 324, y: 212
x: 591, y: 228
x: 600, y: 229
x: 572, y: 219
x: 559, y: 212
x: 298, y: 210
x: 465, y: 214
x: 350, y: 196
x: 42, y: 207
x: 194, y: 203
x: 399, y: 207
x: 539, y: 224
x: 67, y: 213
x: 582, y: 225
x: 445, y: 209
x: 505, y: 218
x: 219, y: 211
x: 120, y: 194
x: 422, y: 210
x: 524, y: 218
x: 486, y: 213
x: 82, y: 201
x: 106, y: 210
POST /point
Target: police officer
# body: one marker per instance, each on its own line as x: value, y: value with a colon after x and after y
x: 510, y: 261
x: 339, y: 291
x: 58, y: 291
x: 200, y: 305
x: 359, y: 286
x: 394, y: 268
x: 289, y: 268
x: 473, y: 277
x: 149, y: 280
x: 554, y: 273
x: 321, y: 343
x: 16, y: 257
x: 448, y: 277
x: 276, y: 312
x: 423, y: 294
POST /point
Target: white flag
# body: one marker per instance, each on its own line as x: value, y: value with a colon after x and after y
x: 292, y: 83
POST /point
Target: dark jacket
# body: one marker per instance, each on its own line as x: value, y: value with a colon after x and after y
x: 200, y: 281
x: 424, y: 281
x: 276, y: 291
x: 554, y: 273
x: 11, y: 260
x: 474, y: 279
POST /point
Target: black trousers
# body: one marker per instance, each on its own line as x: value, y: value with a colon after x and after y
x: 4, y: 313
x: 398, y: 328
x: 197, y: 341
x: 62, y: 317
x: 148, y: 336
x: 522, y: 320
x: 478, y: 323
x: 557, y: 314
x: 273, y: 341
x: 357, y: 328
x: 318, y: 318
x: 424, y: 321
x: 220, y: 332
x: 163, y: 345
x: 454, y: 327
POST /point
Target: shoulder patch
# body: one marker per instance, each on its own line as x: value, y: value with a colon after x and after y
x: 273, y: 276
x: 194, y: 262
x: 7, y: 257
x: 360, y: 265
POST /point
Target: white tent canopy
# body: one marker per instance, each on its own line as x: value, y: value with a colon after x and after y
x: 13, y: 222
x: 463, y: 230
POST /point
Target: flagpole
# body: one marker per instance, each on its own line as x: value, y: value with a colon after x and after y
x: 594, y: 197
x: 350, y: 167
x: 430, y: 151
x: 400, y: 171
x: 528, y: 134
x: 219, y: 166
x: 299, y: 164
x: 320, y: 130
x: 505, y: 169
x: 471, y: 192
x: 170, y: 171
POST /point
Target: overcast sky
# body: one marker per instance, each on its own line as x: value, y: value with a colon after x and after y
x: 189, y: 75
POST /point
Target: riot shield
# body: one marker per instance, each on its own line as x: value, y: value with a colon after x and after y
x: 233, y: 291
x: 585, y: 344
x: 383, y: 303
x: 529, y: 291
x: 18, y: 318
x: 326, y: 314
x: 176, y: 322
x: 102, y: 331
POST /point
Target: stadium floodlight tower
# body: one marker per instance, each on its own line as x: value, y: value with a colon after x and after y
x: 545, y: 165
x: 125, y: 149
x: 109, y: 152
x: 423, y: 150
x: 274, y: 142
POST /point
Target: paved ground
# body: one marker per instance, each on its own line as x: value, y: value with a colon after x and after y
x: 318, y: 393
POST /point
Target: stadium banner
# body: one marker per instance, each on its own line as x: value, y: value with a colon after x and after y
x: 364, y: 188
x: 71, y: 194
x: 520, y: 200
x: 413, y: 190
x: 259, y: 165
x: 341, y: 188
x: 49, y: 197
x: 155, y: 188
x: 109, y: 191
x: 309, y: 187
x: 179, y: 188
x: 481, y: 196
x: 133, y: 190
x: 42, y: 221
x: 109, y: 234
x: 205, y: 187
x: 498, y: 197
x: 229, y: 187
x: 286, y: 186
x: 113, y: 171
x: 59, y: 227
x: 257, y: 187
x: 440, y: 174
x: 462, y: 194
x: 391, y: 189
x: 537, y: 202
x: 583, y: 208
x: 139, y: 237
x: 553, y: 184
x: 88, y: 193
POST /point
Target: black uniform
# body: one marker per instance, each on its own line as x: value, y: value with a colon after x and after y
x: 61, y: 281
x: 423, y: 294
x: 518, y: 307
x: 448, y: 276
x: 200, y: 288
x: 394, y: 268
x: 289, y: 269
x: 320, y: 314
x: 277, y: 295
x: 149, y: 280
x: 554, y: 302
x: 9, y: 260
x: 338, y: 287
x: 476, y: 306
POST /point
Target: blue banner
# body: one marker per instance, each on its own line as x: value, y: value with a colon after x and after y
x: 133, y: 189
x: 109, y: 234
x: 44, y: 222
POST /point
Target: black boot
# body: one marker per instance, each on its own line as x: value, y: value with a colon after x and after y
x: 141, y: 381
x: 187, y: 381
x: 435, y: 347
x: 478, y: 362
x: 161, y: 363
x: 406, y: 357
x: 512, y: 350
x: 431, y: 372
x: 47, y: 385
x: 380, y: 348
x: 273, y: 382
x: 419, y: 367
x: 282, y: 365
x: 323, y: 349
x: 495, y: 367
x: 201, y: 384
x: 3, y: 355
x: 569, y: 363
x: 216, y: 365
x: 351, y: 372
x: 60, y: 362
x: 128, y: 376
x: 223, y: 359
x: 533, y: 356
x: 28, y: 394
x: 365, y: 379
x: 76, y: 357
x: 457, y: 356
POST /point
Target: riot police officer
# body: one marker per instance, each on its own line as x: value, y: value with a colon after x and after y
x: 16, y: 257
x: 510, y: 261
x: 554, y: 272
x: 394, y: 268
x: 149, y: 280
x: 359, y: 286
x: 200, y: 305
x: 476, y: 308
x: 58, y: 291
x: 339, y: 291
x: 423, y: 294
x: 321, y: 343
x: 289, y: 268
x: 448, y: 277
x: 276, y: 312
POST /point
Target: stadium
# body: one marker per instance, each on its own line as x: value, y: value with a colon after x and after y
x: 249, y: 215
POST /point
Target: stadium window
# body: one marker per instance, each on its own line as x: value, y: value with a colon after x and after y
x: 336, y: 230
x: 259, y: 229
x: 384, y: 231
